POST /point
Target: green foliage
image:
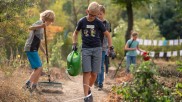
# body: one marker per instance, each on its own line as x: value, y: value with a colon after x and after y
x: 144, y: 87
x: 178, y: 89
x: 67, y: 7
x: 13, y: 26
x: 56, y: 59
x: 168, y: 19
x: 9, y: 8
x: 60, y: 48
x: 61, y: 18
x: 146, y: 29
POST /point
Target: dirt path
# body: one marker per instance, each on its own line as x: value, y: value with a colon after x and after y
x: 72, y: 90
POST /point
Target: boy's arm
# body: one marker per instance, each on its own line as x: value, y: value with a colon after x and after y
x: 129, y: 49
x: 107, y: 34
x: 75, y: 37
x: 42, y: 48
x: 37, y: 26
x: 140, y: 49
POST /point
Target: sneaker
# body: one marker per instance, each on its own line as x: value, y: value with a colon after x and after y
x: 88, y: 98
x: 95, y: 84
x: 33, y: 88
x: 90, y: 93
x: 100, y: 87
x: 26, y: 86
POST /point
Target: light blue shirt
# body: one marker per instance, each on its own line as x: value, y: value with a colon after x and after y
x: 133, y: 45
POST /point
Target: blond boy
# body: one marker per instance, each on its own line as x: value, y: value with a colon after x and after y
x: 33, y: 43
x: 91, y: 29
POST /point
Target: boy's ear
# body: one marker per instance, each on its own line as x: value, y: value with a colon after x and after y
x: 86, y: 11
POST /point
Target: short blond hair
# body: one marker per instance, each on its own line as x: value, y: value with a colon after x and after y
x: 47, y: 15
x: 94, y: 7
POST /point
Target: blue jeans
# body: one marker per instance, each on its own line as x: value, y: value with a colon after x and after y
x: 100, y: 76
x: 130, y: 60
x: 107, y: 63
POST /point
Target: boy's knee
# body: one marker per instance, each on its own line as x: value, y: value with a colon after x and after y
x: 93, y: 74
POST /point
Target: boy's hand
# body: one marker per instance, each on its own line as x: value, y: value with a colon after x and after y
x: 111, y: 52
x: 43, y: 25
x: 45, y: 53
x: 74, y: 48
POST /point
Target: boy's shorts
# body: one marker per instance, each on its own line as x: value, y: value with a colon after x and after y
x: 91, y: 59
x: 34, y: 59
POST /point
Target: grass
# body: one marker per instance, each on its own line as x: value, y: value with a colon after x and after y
x: 11, y: 88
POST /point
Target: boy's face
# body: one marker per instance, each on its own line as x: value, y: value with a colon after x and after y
x: 101, y: 15
x: 91, y: 15
x: 48, y: 22
x: 135, y: 37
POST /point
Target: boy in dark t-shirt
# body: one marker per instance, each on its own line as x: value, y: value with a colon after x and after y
x: 91, y: 28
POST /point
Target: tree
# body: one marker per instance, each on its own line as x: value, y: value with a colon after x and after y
x: 12, y: 28
x: 75, y: 11
x: 169, y: 19
x: 128, y: 4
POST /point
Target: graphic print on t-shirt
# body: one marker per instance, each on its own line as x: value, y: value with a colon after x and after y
x: 86, y: 32
x: 92, y: 30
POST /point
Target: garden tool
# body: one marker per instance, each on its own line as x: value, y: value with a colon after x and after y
x: 119, y: 65
x: 49, y: 83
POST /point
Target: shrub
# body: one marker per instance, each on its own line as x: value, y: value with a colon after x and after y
x: 144, y: 87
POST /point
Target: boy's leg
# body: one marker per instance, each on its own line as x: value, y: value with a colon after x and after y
x: 86, y: 81
x: 101, y: 74
x: 93, y: 77
x: 91, y: 63
x: 34, y: 75
x: 86, y: 68
x: 37, y: 76
x: 133, y: 61
x: 106, y: 63
x: 128, y: 62
x: 35, y: 63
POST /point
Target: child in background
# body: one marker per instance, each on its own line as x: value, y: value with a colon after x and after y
x: 100, y: 76
x: 131, y: 47
x: 106, y: 62
x: 32, y: 45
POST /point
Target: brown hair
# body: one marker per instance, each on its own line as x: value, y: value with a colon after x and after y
x: 102, y: 8
x: 134, y: 33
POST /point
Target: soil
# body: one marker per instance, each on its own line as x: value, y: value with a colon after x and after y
x: 72, y: 89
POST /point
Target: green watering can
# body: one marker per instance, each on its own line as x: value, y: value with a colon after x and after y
x: 73, y: 63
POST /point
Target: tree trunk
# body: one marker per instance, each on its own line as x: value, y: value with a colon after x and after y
x: 130, y: 20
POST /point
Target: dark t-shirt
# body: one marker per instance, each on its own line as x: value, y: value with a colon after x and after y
x: 35, y: 37
x: 91, y: 32
x: 107, y: 25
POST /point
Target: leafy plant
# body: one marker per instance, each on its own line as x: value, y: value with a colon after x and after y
x: 144, y: 87
x: 179, y: 85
